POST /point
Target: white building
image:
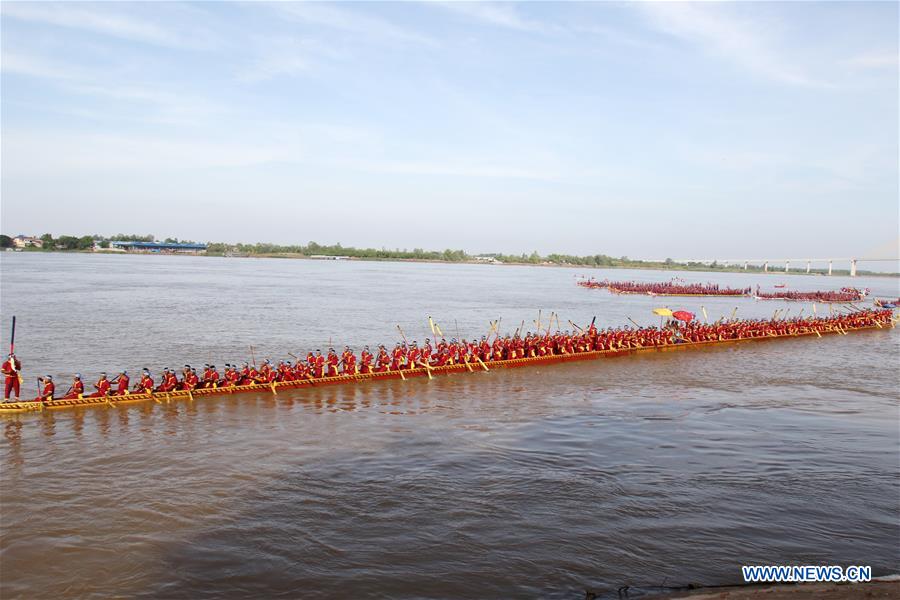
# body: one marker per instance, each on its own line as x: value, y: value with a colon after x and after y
x: 22, y: 241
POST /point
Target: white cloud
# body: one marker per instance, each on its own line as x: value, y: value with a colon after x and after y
x: 153, y: 102
x: 498, y: 14
x: 350, y: 21
x: 80, y: 16
x: 33, y: 66
x: 32, y: 153
x: 721, y: 33
x: 874, y: 60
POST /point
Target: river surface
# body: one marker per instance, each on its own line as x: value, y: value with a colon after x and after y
x: 533, y: 483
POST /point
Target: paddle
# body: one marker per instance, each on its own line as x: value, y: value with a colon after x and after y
x: 12, y: 348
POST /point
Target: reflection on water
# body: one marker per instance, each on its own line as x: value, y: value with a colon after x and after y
x: 535, y: 482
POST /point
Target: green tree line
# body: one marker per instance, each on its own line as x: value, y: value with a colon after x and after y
x: 74, y: 243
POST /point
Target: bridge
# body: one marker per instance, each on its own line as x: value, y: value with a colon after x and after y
x: 786, y: 261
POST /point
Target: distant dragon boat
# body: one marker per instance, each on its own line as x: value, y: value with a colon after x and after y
x: 881, y: 303
x: 873, y: 321
x: 671, y: 288
x: 844, y: 296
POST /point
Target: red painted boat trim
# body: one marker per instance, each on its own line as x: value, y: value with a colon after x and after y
x: 159, y: 397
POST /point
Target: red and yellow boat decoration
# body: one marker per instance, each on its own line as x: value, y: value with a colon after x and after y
x: 675, y: 336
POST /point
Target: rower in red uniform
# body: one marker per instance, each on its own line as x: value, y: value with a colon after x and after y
x: 332, y: 363
x: 349, y: 362
x: 365, y: 361
x: 397, y: 357
x: 169, y: 382
x: 49, y: 388
x: 145, y: 385
x: 412, y: 356
x: 318, y: 367
x: 121, y: 382
x: 232, y: 376
x: 211, y: 377
x: 102, y: 387
x: 190, y: 381
x: 383, y: 362
x: 11, y: 368
x: 77, y: 389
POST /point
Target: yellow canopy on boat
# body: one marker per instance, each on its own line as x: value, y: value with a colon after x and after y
x: 663, y: 312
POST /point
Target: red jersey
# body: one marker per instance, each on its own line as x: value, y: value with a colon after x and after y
x: 47, y: 392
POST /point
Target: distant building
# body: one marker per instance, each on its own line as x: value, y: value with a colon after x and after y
x: 328, y: 257
x: 487, y: 259
x: 23, y: 241
x: 159, y: 247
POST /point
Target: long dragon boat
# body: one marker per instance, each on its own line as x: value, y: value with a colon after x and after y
x: 11, y: 408
x: 618, y: 291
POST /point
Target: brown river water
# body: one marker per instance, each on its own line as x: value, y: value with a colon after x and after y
x: 541, y: 482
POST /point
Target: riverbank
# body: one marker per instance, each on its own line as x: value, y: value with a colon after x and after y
x: 643, y: 266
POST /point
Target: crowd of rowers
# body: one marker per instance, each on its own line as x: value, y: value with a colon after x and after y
x: 671, y: 288
x: 410, y: 356
x: 844, y: 295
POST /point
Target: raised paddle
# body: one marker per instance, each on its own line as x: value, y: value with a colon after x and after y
x: 12, y: 349
x: 253, y: 356
x: 12, y: 336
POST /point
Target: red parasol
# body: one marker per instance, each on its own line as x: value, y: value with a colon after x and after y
x: 683, y: 315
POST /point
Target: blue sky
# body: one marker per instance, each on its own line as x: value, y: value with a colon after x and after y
x: 643, y: 129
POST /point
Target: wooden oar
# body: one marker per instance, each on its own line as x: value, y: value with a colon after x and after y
x: 468, y: 366
x: 12, y: 349
x: 427, y: 370
x: 481, y: 362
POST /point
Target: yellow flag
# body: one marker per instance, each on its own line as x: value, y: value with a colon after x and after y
x: 663, y: 312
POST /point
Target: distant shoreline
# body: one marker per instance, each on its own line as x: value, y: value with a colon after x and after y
x: 642, y: 267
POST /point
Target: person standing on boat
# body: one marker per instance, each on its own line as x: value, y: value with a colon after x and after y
x: 102, y: 387
x: 11, y: 368
x: 49, y: 388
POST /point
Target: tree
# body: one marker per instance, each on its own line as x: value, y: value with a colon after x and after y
x: 85, y: 242
x: 104, y: 243
x: 5, y: 241
x: 67, y: 242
